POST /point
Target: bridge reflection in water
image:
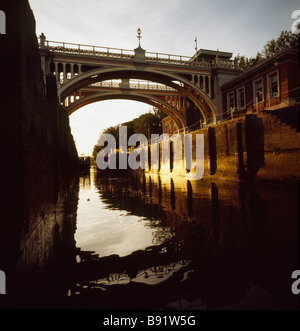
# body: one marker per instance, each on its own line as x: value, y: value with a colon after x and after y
x: 157, y: 242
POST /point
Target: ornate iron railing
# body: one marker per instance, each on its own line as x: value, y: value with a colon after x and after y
x: 128, y: 55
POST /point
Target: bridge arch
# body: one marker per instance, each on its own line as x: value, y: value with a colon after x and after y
x: 202, y: 101
x: 173, y: 113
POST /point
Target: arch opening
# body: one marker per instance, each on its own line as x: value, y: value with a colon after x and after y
x: 177, y: 117
x: 92, y: 119
x: 202, y: 101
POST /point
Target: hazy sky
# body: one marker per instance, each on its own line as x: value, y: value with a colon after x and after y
x: 168, y: 26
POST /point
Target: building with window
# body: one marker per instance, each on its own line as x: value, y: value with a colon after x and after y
x: 272, y: 84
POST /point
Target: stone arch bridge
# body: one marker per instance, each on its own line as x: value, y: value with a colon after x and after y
x: 186, y: 88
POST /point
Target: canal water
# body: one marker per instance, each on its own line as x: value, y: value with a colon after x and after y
x: 145, y: 241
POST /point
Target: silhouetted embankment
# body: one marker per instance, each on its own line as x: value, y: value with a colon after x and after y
x: 39, y: 156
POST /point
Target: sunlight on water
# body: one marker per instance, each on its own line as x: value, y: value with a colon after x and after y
x: 108, y: 231
x: 185, y: 244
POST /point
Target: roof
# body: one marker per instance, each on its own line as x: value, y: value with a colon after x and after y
x: 260, y: 64
x: 211, y: 54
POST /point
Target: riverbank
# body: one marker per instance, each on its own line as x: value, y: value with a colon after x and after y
x: 263, y: 147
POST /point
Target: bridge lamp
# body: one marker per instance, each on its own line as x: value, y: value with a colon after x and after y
x: 139, y: 31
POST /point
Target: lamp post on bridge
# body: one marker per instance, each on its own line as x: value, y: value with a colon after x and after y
x: 148, y: 131
x: 139, y: 32
x: 139, y: 53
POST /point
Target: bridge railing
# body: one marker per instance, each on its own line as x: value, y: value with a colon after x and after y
x: 88, y: 50
x: 127, y: 54
x: 135, y: 84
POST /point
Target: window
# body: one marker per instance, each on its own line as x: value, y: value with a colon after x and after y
x: 241, y: 98
x: 230, y: 101
x: 273, y: 85
x: 258, y: 90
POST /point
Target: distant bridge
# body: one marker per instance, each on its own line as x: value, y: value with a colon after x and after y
x: 186, y: 88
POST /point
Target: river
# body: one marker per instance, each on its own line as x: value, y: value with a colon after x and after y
x: 145, y: 241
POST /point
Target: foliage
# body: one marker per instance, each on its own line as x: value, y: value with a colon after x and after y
x: 145, y: 124
x: 285, y: 40
x: 246, y: 63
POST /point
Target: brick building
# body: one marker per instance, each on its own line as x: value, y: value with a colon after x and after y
x: 168, y: 125
x: 272, y: 84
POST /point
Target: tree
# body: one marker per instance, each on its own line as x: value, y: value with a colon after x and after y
x: 285, y: 40
x: 145, y: 124
x: 113, y: 130
x: 159, y: 113
x: 96, y: 150
x: 246, y: 63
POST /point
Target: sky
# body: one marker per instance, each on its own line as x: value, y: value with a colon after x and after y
x: 168, y: 26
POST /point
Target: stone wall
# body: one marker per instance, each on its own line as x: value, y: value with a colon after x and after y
x: 254, y: 146
x: 39, y: 156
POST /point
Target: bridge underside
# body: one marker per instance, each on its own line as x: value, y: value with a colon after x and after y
x: 177, y: 99
x: 157, y: 102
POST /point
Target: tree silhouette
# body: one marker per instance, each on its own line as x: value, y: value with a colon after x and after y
x: 285, y: 40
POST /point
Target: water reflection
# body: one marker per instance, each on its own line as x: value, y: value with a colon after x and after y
x: 105, y: 224
x: 149, y: 241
